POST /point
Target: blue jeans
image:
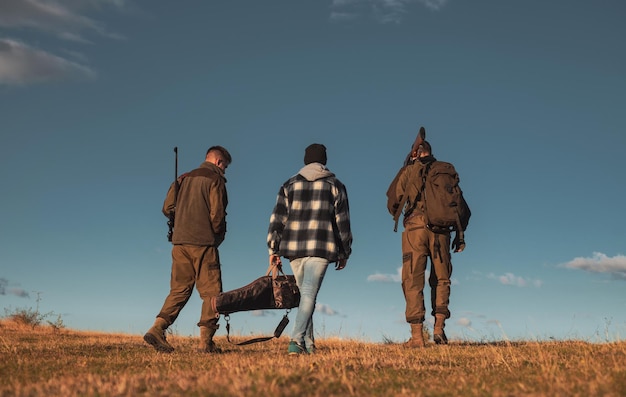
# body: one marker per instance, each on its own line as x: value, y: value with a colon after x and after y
x: 309, y: 273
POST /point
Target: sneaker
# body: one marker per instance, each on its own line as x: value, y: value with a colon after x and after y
x: 156, y: 339
x: 296, y: 348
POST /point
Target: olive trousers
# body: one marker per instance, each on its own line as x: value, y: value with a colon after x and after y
x: 419, y: 244
x: 193, y: 265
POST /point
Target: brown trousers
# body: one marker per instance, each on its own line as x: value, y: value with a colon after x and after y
x: 193, y: 265
x: 418, y: 244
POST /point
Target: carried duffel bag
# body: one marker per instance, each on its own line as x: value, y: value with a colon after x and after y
x: 275, y: 290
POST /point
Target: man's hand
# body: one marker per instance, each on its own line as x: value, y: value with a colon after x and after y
x: 275, y: 261
x: 458, y: 245
x: 340, y: 264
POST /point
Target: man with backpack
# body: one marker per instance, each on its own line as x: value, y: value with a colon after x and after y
x: 427, y: 191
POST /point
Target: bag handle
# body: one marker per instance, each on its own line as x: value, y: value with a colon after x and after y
x: 274, y: 271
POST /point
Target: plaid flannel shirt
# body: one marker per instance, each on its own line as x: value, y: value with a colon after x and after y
x: 311, y: 218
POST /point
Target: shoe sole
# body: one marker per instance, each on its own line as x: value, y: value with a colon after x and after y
x: 152, y: 341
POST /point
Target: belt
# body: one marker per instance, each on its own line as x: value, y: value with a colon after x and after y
x: 411, y: 216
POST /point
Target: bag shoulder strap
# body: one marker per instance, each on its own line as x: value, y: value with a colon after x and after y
x: 277, y: 332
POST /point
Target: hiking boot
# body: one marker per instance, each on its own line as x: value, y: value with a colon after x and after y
x: 210, y: 347
x: 440, y: 339
x: 417, y: 337
x: 296, y: 348
x: 206, y: 340
x: 439, y: 336
x: 156, y: 336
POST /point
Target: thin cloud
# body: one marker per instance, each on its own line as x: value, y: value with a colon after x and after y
x: 60, y: 18
x: 464, y: 322
x: 326, y: 310
x: 601, y: 263
x: 319, y: 308
x: 518, y: 281
x: 384, y: 11
x: 434, y: 5
x: 6, y: 290
x: 397, y: 277
x: 262, y: 313
x: 343, y: 3
x: 23, y: 63
x: 386, y: 278
x: 18, y: 292
x: 342, y: 16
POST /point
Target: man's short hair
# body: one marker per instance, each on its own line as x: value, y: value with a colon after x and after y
x: 222, y: 150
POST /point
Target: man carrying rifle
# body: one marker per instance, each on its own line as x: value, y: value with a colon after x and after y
x: 197, y: 200
x: 422, y: 239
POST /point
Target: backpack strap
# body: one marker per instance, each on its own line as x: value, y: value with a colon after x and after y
x: 408, y: 204
x: 421, y: 192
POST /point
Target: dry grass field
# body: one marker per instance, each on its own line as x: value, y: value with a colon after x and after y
x: 48, y: 361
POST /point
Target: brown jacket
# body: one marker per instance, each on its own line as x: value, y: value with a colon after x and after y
x: 200, y: 209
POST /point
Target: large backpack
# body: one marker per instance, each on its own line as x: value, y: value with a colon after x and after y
x: 434, y: 186
x: 445, y: 207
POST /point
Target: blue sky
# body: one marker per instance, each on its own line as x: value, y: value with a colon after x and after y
x: 526, y: 98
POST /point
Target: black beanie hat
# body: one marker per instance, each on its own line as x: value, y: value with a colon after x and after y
x: 315, y: 153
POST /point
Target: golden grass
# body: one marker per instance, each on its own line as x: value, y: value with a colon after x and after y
x: 45, y: 362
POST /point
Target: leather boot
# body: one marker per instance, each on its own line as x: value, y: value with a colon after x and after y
x: 206, y: 339
x: 155, y: 336
x: 417, y: 336
x: 438, y: 335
